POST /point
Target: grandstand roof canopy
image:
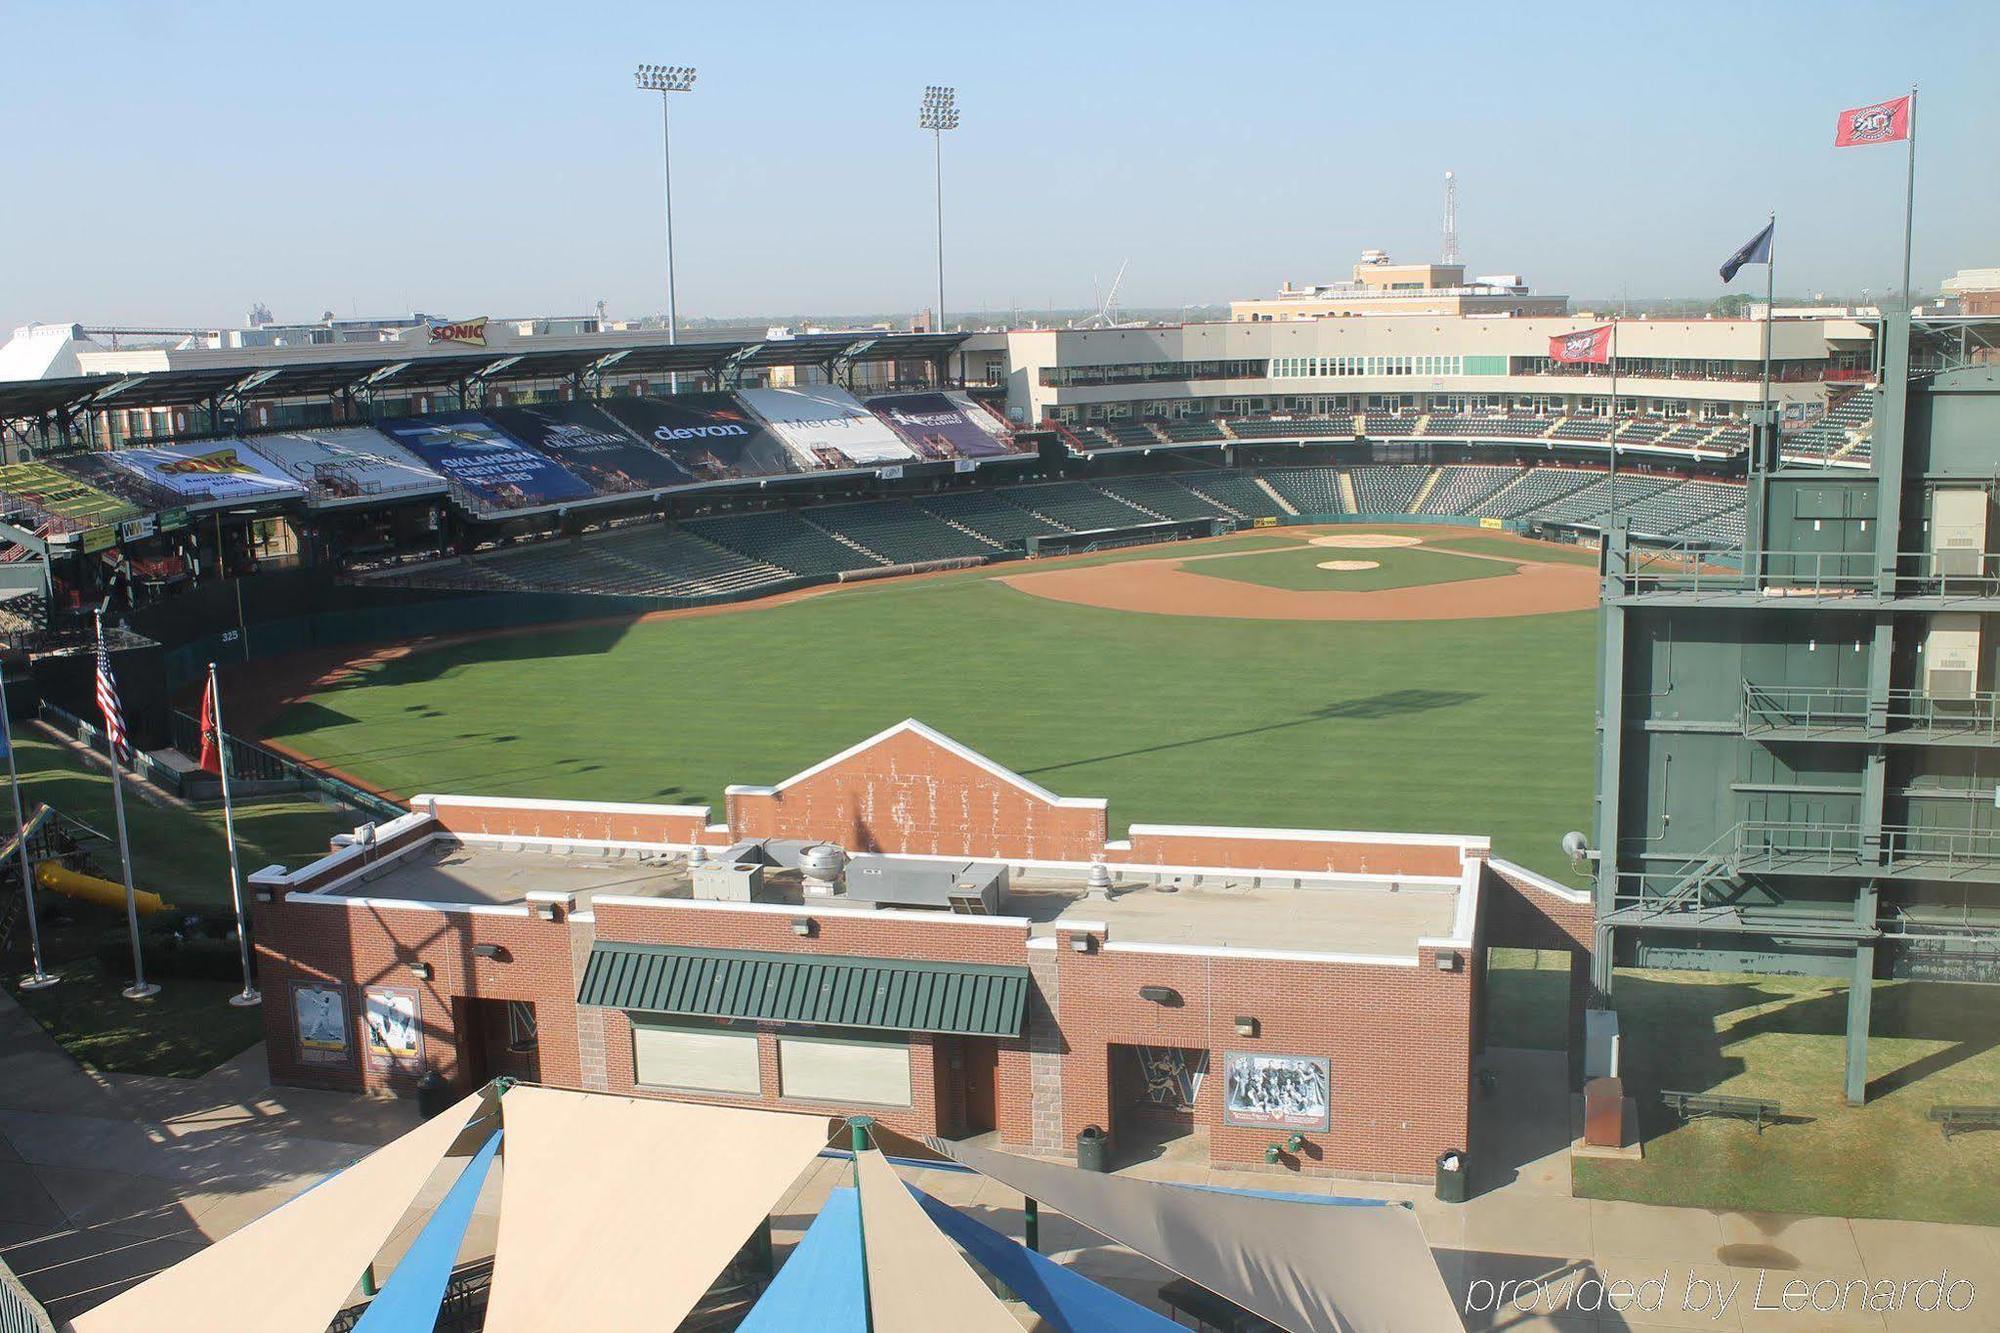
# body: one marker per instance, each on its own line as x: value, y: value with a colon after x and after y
x: 28, y: 399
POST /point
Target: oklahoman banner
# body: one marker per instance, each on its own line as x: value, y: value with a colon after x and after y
x: 347, y: 465
x: 591, y: 445
x: 825, y: 427
x: 712, y: 435
x: 217, y: 472
x: 941, y: 425
x: 496, y: 469
x: 1590, y: 347
x: 69, y: 504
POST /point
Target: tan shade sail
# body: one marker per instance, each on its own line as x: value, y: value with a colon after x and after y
x: 618, y: 1212
x: 1308, y: 1267
x: 290, y: 1270
x: 917, y: 1282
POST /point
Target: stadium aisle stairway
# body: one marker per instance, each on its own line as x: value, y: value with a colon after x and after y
x: 1076, y: 506
x: 1163, y: 496
x: 1235, y: 492
x: 783, y: 538
x: 900, y: 532
x: 986, y: 514
x: 1309, y: 490
x: 1386, y: 490
x: 1464, y: 489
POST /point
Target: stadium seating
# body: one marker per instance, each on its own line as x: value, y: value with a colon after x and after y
x: 1582, y: 428
x: 1291, y: 428
x: 1129, y: 432
x: 1192, y: 431
x: 784, y: 539
x: 1641, y: 430
x: 1673, y: 511
x: 1234, y: 491
x: 987, y: 514
x: 1381, y: 424
x: 1164, y: 496
x: 1386, y: 490
x: 1309, y: 490
x: 899, y: 532
x: 1540, y: 486
x: 1460, y: 490
x: 1076, y: 506
x: 1588, y: 504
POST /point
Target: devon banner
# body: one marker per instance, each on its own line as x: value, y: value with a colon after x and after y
x: 712, y: 435
x: 941, y: 425
x: 825, y: 427
x: 496, y: 470
x: 591, y: 445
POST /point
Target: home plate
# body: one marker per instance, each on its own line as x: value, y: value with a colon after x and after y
x: 1348, y: 566
x: 1366, y: 540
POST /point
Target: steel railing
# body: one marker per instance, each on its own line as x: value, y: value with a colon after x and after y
x: 1908, y: 712
x: 1846, y: 846
x: 1684, y: 568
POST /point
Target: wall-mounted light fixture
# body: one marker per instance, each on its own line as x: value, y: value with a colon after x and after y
x: 492, y: 951
x: 1246, y: 1026
x: 1447, y: 960
x: 421, y: 971
x: 1166, y: 995
x: 546, y: 911
x: 1082, y: 943
x: 803, y: 926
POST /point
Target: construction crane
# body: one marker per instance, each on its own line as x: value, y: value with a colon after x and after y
x: 1107, y: 312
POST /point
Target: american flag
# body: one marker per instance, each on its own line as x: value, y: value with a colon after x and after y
x: 107, y: 703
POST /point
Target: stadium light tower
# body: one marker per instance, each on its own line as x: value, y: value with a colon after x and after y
x: 665, y: 80
x: 937, y: 113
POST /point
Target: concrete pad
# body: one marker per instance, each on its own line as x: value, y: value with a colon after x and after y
x: 1521, y: 1224
x: 1900, y: 1250
x: 119, y: 1202
x: 1787, y: 1240
x: 1766, y: 1309
x: 1686, y: 1235
x: 23, y: 1200
x: 1673, y: 1295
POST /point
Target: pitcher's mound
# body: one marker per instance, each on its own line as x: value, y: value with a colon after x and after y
x: 1358, y: 541
x: 1348, y: 566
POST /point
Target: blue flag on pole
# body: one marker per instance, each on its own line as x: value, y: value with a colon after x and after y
x: 1756, y: 250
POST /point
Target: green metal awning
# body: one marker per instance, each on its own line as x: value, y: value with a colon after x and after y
x: 971, y: 999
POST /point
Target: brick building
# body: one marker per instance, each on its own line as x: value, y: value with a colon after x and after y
x: 979, y: 956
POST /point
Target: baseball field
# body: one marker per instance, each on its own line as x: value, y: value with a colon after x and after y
x: 1422, y: 680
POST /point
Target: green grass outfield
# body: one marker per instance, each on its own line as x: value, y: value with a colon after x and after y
x: 1395, y: 567
x: 1473, y: 726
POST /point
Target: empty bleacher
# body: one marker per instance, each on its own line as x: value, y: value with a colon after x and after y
x: 1460, y: 490
x: 1641, y: 431
x: 1291, y: 428
x: 899, y: 532
x: 1128, y: 432
x: 1235, y: 491
x: 1309, y: 490
x: 1676, y: 509
x: 1164, y: 496
x: 988, y: 515
x: 1588, y: 504
x: 1386, y: 490
x: 1076, y: 506
x: 1537, y: 487
x: 1582, y: 428
x: 1192, y: 431
x: 783, y: 538
x: 1379, y: 424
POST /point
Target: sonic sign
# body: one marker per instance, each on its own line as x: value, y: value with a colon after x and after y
x: 470, y: 332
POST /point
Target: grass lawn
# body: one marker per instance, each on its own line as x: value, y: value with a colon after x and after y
x: 188, y: 1028
x: 1527, y: 998
x: 1548, y: 553
x: 1474, y: 726
x: 1395, y: 567
x: 1781, y: 1038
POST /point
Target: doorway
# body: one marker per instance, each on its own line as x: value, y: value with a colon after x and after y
x: 978, y: 1077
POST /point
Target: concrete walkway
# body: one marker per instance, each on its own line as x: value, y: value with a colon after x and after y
x: 106, y: 1179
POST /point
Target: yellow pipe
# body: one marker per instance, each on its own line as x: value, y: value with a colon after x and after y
x: 91, y: 889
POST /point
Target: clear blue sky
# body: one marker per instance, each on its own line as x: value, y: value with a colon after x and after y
x: 177, y: 162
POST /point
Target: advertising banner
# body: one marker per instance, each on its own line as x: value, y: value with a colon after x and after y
x: 1276, y: 1091
x: 346, y: 465
x: 712, y: 435
x: 591, y: 445
x: 941, y: 425
x: 71, y: 503
x: 210, y: 473
x: 496, y: 470
x: 393, y: 1021
x: 319, y: 1018
x: 825, y: 427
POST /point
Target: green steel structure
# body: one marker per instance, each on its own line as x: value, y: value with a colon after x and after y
x: 1799, y: 743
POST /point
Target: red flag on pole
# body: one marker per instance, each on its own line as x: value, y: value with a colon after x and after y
x: 211, y: 738
x: 1884, y: 122
x: 1588, y: 347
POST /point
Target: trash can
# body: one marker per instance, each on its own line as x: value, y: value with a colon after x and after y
x: 433, y: 1095
x: 1453, y: 1183
x: 1090, y: 1149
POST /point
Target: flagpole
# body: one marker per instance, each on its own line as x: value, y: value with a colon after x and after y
x: 1612, y: 439
x: 1770, y: 304
x: 249, y: 994
x: 39, y: 979
x: 140, y: 989
x: 1910, y: 201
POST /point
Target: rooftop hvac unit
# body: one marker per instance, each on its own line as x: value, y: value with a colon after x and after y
x: 1958, y: 531
x: 1951, y: 657
x: 972, y: 888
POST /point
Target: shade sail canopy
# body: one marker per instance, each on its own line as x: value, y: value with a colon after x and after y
x: 820, y: 1285
x: 890, y: 993
x: 1069, y: 1301
x: 1305, y: 1267
x: 409, y: 1303
x: 290, y: 1271
x: 917, y: 1283
x: 618, y: 1212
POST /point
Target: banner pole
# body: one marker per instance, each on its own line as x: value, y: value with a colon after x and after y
x: 1770, y: 306
x: 40, y: 978
x: 140, y: 989
x: 1613, y: 438
x: 1910, y: 201
x: 248, y: 995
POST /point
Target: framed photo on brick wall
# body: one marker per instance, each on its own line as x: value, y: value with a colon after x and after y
x: 395, y: 1029
x: 319, y: 1019
x: 1276, y: 1091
